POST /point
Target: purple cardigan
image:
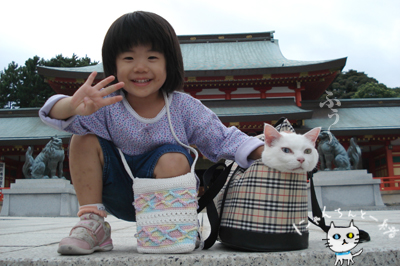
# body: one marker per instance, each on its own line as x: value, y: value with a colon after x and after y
x: 194, y: 124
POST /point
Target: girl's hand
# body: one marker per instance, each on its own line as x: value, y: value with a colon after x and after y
x: 88, y: 99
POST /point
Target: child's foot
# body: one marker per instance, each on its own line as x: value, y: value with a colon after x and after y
x: 90, y: 234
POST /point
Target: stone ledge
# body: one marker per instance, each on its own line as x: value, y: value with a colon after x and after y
x: 40, y: 198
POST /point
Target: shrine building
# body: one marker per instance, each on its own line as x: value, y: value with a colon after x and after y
x: 246, y: 81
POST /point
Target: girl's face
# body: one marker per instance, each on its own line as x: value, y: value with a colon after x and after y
x: 143, y: 71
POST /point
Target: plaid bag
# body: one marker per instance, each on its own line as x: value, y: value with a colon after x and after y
x: 262, y: 209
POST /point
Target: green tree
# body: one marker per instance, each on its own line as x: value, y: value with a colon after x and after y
x: 375, y: 90
x: 347, y: 83
x: 73, y: 61
x: 22, y: 86
x: 9, y: 84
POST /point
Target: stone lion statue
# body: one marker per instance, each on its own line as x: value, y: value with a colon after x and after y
x: 46, y: 164
x: 330, y: 150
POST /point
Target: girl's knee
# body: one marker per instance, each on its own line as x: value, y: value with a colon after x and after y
x: 171, y: 164
x: 85, y: 145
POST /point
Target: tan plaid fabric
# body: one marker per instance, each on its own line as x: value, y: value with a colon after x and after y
x: 265, y: 200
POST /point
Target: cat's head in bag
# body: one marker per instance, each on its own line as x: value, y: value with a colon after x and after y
x: 290, y: 152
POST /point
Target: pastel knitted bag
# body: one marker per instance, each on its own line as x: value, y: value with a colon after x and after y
x: 166, y: 209
x: 166, y: 212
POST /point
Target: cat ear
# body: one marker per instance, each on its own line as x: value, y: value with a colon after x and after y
x: 332, y: 225
x: 351, y: 223
x: 313, y: 134
x: 270, y: 134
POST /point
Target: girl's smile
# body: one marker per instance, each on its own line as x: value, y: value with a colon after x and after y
x: 143, y: 71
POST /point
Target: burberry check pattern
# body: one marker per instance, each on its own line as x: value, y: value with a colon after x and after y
x: 262, y: 199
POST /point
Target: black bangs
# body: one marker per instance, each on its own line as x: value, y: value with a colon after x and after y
x: 137, y: 29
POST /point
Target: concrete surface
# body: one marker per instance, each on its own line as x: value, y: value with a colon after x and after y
x: 350, y: 189
x: 40, y: 197
x: 391, y: 197
x: 34, y: 241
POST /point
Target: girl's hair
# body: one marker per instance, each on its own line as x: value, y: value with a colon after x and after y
x: 144, y: 28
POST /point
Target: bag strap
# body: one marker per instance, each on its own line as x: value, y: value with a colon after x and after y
x: 316, y: 212
x: 176, y: 138
x: 213, y: 185
x: 194, y: 151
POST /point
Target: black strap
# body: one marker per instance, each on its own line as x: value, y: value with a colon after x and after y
x: 316, y: 211
x: 212, y: 185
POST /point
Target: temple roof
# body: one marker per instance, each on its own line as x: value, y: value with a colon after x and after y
x: 356, y: 116
x: 257, y: 110
x: 24, y: 127
x: 222, y: 54
x: 243, y: 54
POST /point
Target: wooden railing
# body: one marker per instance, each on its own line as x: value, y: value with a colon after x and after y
x: 1, y: 192
x: 389, y: 183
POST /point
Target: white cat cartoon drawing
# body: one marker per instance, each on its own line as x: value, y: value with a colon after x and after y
x: 341, y: 240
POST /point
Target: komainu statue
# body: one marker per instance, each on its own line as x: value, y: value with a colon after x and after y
x: 46, y: 164
x: 330, y: 150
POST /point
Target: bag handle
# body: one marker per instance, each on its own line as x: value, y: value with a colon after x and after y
x: 192, y: 169
x: 316, y: 212
x: 213, y: 185
x: 176, y: 138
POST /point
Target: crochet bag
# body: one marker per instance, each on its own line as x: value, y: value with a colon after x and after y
x: 166, y: 209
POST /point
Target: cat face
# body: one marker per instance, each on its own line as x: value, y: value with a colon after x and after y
x: 290, y: 152
x: 342, y: 239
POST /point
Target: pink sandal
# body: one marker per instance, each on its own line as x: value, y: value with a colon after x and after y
x: 90, y: 234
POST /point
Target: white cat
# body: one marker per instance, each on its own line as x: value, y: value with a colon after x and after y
x: 341, y: 240
x: 290, y: 152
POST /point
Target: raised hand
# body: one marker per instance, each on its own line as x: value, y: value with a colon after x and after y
x: 88, y: 99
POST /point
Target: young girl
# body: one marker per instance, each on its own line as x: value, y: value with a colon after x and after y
x: 142, y: 59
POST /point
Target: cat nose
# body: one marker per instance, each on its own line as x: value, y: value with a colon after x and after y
x: 301, y: 160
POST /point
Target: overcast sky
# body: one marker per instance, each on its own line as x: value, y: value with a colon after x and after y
x: 367, y: 32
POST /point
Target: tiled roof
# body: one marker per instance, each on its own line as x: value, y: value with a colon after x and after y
x: 226, y: 54
x: 257, y: 110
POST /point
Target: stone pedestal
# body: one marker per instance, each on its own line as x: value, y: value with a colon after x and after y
x: 40, y: 198
x: 346, y: 189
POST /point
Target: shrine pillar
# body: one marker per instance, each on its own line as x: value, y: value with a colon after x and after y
x: 262, y: 91
x: 389, y: 159
x: 297, y: 91
x: 228, y: 92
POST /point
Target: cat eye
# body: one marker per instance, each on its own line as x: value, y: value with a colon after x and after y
x: 307, y: 151
x: 336, y: 236
x: 350, y: 235
x: 286, y: 150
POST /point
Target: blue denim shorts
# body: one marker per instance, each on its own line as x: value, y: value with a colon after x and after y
x: 117, y: 184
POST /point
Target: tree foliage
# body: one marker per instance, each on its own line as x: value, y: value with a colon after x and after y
x: 348, y: 84
x: 22, y: 86
x: 374, y: 90
x: 9, y: 84
x: 73, y: 61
